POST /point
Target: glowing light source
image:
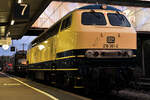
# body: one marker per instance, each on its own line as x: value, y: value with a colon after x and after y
x: 10, y: 65
x: 45, y: 41
x: 5, y: 47
x: 8, y: 33
x: 19, y: 1
x: 12, y: 22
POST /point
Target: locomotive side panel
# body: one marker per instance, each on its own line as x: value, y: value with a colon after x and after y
x: 66, y: 38
x: 48, y: 49
x: 45, y: 51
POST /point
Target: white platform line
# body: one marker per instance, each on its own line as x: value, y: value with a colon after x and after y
x: 50, y: 96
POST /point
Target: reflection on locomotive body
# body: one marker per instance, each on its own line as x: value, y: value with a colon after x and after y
x: 90, y: 47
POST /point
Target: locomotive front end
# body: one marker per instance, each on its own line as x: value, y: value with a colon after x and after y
x: 107, y: 43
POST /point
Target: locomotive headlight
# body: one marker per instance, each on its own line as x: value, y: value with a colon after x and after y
x: 5, y: 47
x: 92, y: 53
x: 96, y: 53
x: 130, y: 53
x: 127, y: 53
x: 89, y: 53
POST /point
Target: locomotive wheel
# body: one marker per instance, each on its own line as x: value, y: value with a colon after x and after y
x: 31, y: 75
x: 87, y: 89
x: 97, y: 82
x: 68, y: 81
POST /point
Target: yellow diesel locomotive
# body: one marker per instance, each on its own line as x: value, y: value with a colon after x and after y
x: 91, y: 47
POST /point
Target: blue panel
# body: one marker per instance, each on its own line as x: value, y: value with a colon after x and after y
x: 99, y: 6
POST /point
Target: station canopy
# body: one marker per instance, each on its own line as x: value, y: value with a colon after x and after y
x: 17, y: 16
x: 18, y: 19
x: 138, y: 16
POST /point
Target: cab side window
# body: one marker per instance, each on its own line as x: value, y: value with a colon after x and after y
x: 66, y: 23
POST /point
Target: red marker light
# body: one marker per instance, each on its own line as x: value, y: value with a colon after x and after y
x: 10, y: 65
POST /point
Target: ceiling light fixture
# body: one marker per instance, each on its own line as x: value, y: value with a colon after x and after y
x: 5, y: 46
x: 12, y: 22
x: 8, y: 34
x: 45, y: 41
x: 19, y: 1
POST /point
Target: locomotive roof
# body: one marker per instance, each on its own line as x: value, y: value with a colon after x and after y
x: 96, y: 6
x: 99, y: 6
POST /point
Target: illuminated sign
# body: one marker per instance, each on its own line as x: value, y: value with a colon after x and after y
x: 21, y: 11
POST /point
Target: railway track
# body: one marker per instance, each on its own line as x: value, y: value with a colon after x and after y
x: 140, y: 90
x: 129, y: 94
x: 126, y: 94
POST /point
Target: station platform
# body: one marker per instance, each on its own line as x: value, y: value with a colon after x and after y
x: 15, y: 88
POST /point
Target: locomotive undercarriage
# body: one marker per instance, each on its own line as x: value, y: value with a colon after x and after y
x: 103, y: 75
x: 93, y: 74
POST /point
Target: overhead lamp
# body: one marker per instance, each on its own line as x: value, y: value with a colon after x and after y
x: 8, y: 34
x: 20, y: 1
x: 45, y: 41
x: 5, y: 46
x: 12, y: 22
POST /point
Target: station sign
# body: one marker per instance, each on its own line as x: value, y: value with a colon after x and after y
x: 12, y: 48
x: 5, y: 41
x: 21, y: 11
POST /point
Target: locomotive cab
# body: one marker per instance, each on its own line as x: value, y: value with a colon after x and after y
x: 104, y: 33
x: 107, y: 42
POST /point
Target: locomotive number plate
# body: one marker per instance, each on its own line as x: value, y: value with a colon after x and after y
x: 110, y: 45
x: 110, y: 39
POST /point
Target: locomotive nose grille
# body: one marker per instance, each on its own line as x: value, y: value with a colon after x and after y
x: 110, y: 53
